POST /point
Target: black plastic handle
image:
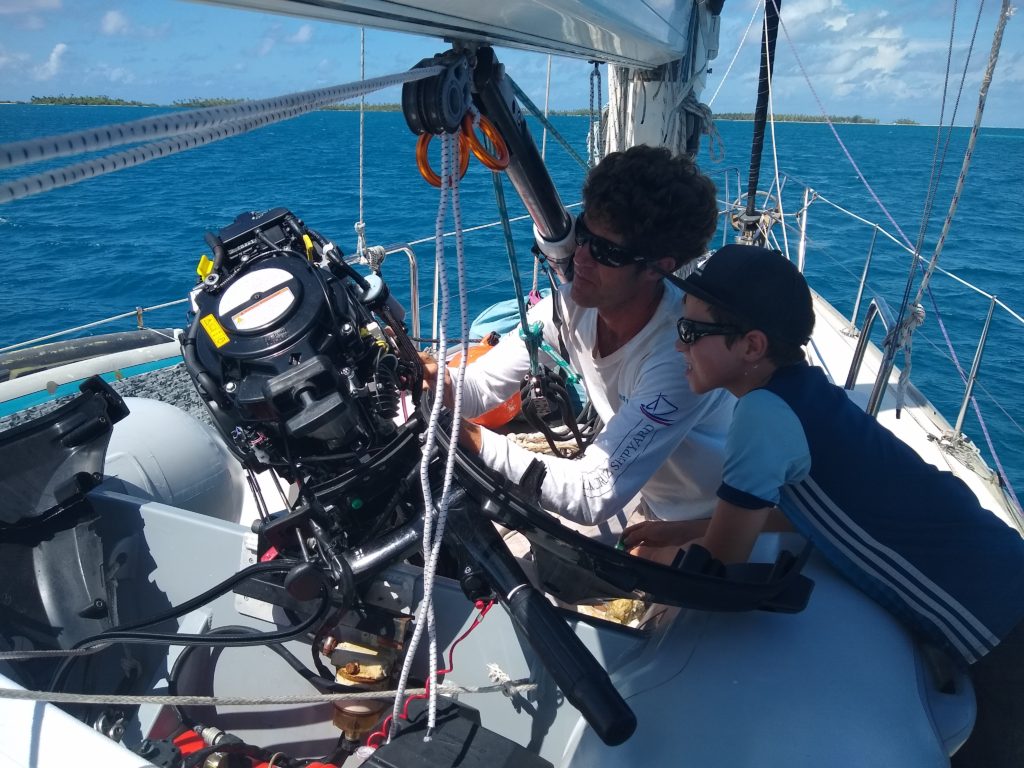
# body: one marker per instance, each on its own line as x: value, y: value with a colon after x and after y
x: 571, y: 665
x: 584, y: 682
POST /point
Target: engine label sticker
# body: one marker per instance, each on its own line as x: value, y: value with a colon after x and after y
x: 265, y: 311
x: 214, y: 330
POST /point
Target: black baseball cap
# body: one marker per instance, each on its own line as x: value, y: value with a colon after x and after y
x: 759, y: 285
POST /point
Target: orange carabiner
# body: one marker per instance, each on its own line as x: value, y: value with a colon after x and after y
x: 423, y: 162
x: 499, y: 160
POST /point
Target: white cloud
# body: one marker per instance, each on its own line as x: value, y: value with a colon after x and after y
x: 50, y: 69
x: 303, y: 35
x: 117, y: 75
x: 266, y: 46
x: 28, y: 6
x: 838, y: 23
x: 11, y: 60
x: 114, y: 23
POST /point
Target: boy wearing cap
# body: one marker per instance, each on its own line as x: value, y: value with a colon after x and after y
x: 912, y: 537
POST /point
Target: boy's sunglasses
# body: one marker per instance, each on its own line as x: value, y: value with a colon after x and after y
x: 603, y: 250
x: 692, y: 331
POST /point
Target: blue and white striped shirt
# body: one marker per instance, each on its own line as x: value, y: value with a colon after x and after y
x: 912, y: 537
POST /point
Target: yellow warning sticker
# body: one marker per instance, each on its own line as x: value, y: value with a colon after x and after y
x: 214, y: 330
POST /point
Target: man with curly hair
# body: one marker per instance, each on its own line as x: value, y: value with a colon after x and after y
x: 645, y: 213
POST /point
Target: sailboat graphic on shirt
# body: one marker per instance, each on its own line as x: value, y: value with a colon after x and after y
x: 659, y: 410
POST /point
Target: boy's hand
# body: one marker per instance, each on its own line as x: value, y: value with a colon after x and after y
x: 660, y: 533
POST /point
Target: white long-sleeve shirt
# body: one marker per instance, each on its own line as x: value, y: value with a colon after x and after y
x: 659, y: 438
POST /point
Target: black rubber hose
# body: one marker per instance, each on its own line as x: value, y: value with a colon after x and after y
x: 190, y: 605
x: 195, y: 368
x: 219, y: 254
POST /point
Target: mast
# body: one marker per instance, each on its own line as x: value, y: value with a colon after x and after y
x: 769, y: 34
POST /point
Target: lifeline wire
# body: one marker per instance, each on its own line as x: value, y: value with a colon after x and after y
x: 64, y: 697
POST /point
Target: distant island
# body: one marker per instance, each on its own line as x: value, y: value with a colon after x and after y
x: 198, y: 103
x: 87, y: 101
x: 854, y: 119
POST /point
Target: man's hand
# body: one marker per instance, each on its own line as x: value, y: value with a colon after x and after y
x: 430, y: 366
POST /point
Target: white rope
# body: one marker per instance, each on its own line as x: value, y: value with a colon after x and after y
x: 433, y: 531
x: 449, y: 472
x: 296, y: 105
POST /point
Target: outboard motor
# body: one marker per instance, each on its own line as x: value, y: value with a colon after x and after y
x: 289, y: 352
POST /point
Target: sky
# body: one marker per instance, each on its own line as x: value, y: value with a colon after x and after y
x: 874, y: 58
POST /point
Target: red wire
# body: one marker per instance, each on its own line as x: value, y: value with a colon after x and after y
x: 382, y: 733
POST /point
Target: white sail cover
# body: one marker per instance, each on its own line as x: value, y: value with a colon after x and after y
x: 637, y: 33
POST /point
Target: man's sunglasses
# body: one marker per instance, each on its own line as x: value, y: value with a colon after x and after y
x: 692, y: 331
x: 603, y: 250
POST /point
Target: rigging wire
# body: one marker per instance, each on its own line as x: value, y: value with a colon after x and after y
x: 1004, y: 15
x: 901, y: 336
x: 525, y: 101
x: 543, y: 157
x: 750, y: 24
x: 835, y: 133
x: 360, y: 226
x: 937, y: 163
x: 771, y: 125
x: 839, y: 262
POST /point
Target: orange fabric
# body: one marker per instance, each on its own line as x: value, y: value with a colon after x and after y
x: 501, y: 414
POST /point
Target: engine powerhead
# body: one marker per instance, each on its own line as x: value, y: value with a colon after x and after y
x: 285, y: 347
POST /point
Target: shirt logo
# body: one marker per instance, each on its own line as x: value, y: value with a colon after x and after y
x: 632, y: 448
x: 659, y: 410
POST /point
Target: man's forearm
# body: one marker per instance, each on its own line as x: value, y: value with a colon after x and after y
x: 469, y: 437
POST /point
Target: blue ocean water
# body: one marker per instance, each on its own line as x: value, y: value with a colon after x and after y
x: 133, y: 238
